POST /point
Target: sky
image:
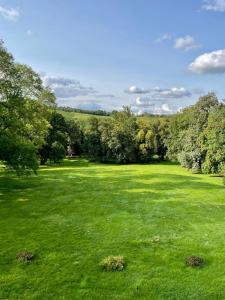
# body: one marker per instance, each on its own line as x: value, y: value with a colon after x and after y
x: 156, y: 56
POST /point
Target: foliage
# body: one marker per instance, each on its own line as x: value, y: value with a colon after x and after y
x: 92, y: 140
x: 212, y: 141
x: 123, y: 138
x: 75, y: 137
x: 24, y: 112
x: 113, y: 263
x: 55, y: 146
x: 196, y: 136
x: 18, y: 154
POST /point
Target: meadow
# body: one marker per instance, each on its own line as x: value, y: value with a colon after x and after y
x: 75, y: 116
x: 74, y: 214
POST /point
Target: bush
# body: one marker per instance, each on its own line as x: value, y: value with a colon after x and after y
x: 113, y: 263
x: 194, y: 261
x: 25, y: 256
x: 57, y: 152
x: 190, y: 160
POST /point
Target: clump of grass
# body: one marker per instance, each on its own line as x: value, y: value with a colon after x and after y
x: 25, y: 256
x: 113, y: 263
x: 155, y: 239
x: 194, y: 261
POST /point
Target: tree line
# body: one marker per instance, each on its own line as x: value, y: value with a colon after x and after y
x: 194, y: 137
x: 98, y: 112
x: 33, y: 132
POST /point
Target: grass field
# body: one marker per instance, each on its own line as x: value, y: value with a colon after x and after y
x: 70, y: 115
x: 73, y: 215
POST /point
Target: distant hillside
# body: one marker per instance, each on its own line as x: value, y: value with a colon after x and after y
x: 82, y: 115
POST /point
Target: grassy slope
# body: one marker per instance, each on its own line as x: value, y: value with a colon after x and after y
x: 75, y: 214
x: 79, y: 116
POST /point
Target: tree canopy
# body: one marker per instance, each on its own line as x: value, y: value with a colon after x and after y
x: 24, y: 113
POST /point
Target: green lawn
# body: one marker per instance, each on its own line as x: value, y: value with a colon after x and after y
x: 73, y: 215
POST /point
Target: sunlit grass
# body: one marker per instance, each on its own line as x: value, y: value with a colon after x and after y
x: 73, y: 215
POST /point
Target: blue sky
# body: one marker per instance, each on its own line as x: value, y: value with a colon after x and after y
x: 154, y: 55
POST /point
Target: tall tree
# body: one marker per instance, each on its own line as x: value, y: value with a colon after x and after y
x: 55, y: 147
x: 24, y: 112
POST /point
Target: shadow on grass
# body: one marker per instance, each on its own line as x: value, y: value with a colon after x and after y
x: 124, y: 182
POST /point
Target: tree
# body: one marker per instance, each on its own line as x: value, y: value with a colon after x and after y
x: 122, y: 140
x: 92, y: 140
x: 75, y: 137
x: 145, y: 140
x: 56, y: 141
x: 183, y: 142
x: 24, y: 112
x: 212, y: 141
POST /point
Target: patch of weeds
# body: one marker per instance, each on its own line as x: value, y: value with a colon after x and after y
x: 194, y: 261
x: 25, y: 256
x: 113, y: 263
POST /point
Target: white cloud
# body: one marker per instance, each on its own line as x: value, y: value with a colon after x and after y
x: 164, y: 109
x: 156, y: 94
x: 212, y: 62
x: 215, y: 5
x: 66, y: 87
x: 10, y: 14
x: 136, y: 90
x: 144, y: 101
x: 164, y: 37
x: 174, y: 93
x: 180, y: 109
x: 186, y: 43
x: 154, y: 102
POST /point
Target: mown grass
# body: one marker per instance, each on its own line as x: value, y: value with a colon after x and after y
x: 73, y: 215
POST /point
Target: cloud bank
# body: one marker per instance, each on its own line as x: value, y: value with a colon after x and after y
x: 209, y: 63
x: 66, y: 87
x: 136, y: 90
x: 157, y: 93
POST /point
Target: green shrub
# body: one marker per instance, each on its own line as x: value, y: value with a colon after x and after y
x: 194, y: 261
x: 25, y: 256
x: 113, y: 263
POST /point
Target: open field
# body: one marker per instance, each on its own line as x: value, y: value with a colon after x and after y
x: 70, y: 115
x: 73, y: 215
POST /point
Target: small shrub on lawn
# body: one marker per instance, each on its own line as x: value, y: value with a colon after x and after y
x: 194, y: 261
x: 113, y: 263
x: 25, y: 256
